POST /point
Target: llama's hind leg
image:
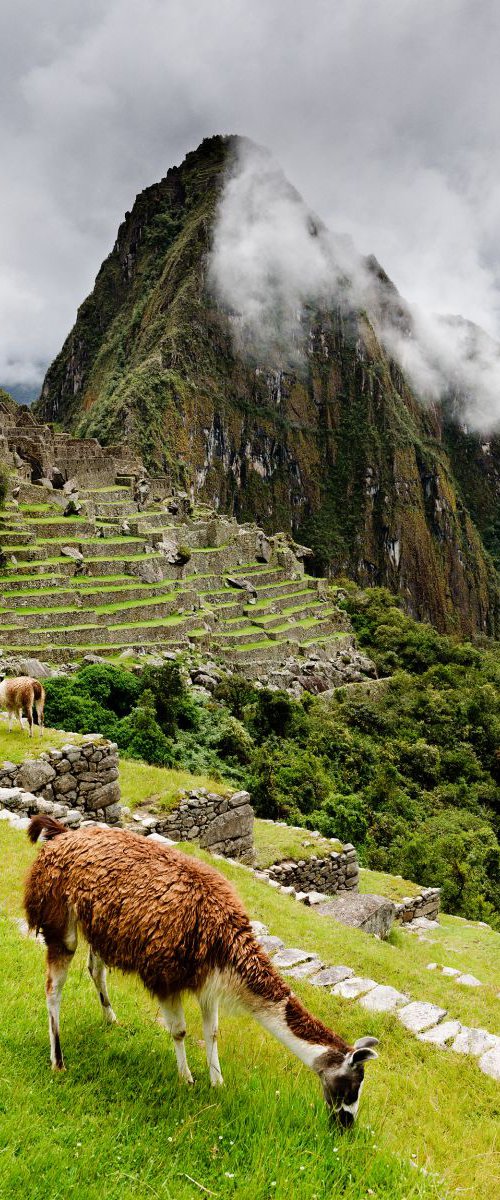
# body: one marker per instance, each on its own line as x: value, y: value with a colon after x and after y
x: 39, y: 713
x: 210, y: 1017
x: 97, y: 971
x: 173, y: 1016
x: 59, y: 956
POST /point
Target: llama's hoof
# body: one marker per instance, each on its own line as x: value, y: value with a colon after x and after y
x: 58, y: 1068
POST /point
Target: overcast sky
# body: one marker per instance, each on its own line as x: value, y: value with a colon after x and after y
x: 384, y: 113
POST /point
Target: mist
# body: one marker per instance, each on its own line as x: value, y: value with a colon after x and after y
x: 273, y: 260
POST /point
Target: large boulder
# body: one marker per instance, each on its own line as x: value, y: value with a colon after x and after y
x: 35, y: 775
x: 372, y: 914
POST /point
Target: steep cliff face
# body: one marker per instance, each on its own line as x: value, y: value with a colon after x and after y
x: 336, y: 449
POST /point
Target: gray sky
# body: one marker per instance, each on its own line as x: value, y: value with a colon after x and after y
x: 384, y: 113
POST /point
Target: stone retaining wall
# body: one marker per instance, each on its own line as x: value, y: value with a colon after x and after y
x: 339, y: 872
x: 426, y: 904
x: 221, y: 824
x: 81, y: 778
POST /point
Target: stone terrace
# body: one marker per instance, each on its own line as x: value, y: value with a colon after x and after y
x: 122, y: 569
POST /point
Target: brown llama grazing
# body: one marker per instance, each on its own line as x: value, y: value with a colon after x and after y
x: 20, y: 693
x: 179, y: 924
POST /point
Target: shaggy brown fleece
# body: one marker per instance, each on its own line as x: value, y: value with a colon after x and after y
x: 148, y: 908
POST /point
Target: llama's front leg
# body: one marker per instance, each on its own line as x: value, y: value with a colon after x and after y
x: 97, y: 972
x: 210, y: 1017
x: 58, y: 961
x: 173, y: 1016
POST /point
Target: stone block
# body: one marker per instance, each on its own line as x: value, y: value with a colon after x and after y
x: 373, y: 914
x: 331, y: 975
x: 353, y: 987
x: 34, y: 775
x: 270, y: 943
x: 489, y: 1062
x: 440, y: 1035
x: 474, y: 1041
x: 103, y: 796
x: 235, y: 823
x: 291, y: 957
x: 383, y: 998
x: 419, y: 1015
x: 64, y: 783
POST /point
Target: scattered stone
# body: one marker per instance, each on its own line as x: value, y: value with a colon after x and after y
x: 259, y: 929
x: 271, y: 944
x: 290, y: 958
x: 331, y: 975
x: 73, y: 508
x: 303, y: 970
x: 473, y: 1041
x: 450, y: 971
x: 440, y: 1035
x: 356, y: 986
x: 372, y: 914
x: 420, y: 1015
x: 72, y: 552
x: 490, y: 1061
x: 383, y: 998
x: 468, y: 980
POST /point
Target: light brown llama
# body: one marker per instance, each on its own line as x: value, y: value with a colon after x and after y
x: 23, y: 692
x: 179, y: 924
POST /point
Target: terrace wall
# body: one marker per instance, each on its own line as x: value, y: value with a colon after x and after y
x: 339, y: 872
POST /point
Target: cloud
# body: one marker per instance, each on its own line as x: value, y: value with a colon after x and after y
x: 272, y: 259
x: 384, y: 116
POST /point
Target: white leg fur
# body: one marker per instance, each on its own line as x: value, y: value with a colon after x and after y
x: 173, y: 1016
x: 97, y: 972
x: 56, y: 978
x: 210, y: 1016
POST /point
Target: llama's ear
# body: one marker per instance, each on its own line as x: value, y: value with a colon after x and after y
x: 365, y: 1041
x: 360, y: 1055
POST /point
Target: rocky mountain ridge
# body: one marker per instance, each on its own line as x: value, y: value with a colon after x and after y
x: 336, y: 449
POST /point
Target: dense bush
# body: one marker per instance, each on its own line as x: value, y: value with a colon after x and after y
x: 410, y: 772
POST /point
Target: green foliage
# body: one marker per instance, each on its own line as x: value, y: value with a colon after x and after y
x: 141, y: 736
x: 409, y: 773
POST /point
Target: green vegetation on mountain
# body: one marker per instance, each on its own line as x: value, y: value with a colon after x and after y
x: 406, y: 767
x: 339, y: 451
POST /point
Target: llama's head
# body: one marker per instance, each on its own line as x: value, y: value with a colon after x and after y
x: 342, y: 1080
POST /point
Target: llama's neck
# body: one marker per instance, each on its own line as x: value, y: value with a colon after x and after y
x: 298, y: 1030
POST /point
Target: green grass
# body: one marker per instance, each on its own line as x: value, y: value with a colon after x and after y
x: 117, y: 1124
x: 16, y: 746
x: 159, y: 787
x: 392, y: 886
x: 275, y: 842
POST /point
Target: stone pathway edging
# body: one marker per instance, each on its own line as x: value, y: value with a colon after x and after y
x: 423, y: 1019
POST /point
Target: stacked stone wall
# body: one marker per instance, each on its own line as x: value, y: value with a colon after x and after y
x: 221, y: 824
x: 339, y: 872
x: 79, y: 780
x: 426, y: 904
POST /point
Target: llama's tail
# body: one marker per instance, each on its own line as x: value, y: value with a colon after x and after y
x: 46, y: 825
x: 38, y: 690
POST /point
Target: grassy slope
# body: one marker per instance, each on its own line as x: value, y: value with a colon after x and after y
x: 117, y: 1124
x: 159, y: 786
x: 274, y: 842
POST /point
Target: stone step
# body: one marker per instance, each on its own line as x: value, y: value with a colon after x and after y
x: 227, y: 638
x: 90, y: 632
x: 16, y: 537
x: 114, y: 510
x: 28, y: 553
x: 66, y: 529
x: 293, y: 614
x: 301, y: 631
